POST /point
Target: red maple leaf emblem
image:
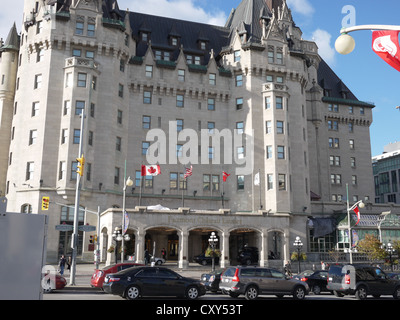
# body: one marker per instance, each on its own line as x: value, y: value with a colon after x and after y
x: 152, y: 170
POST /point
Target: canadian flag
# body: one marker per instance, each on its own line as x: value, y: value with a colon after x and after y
x: 386, y: 45
x: 357, y: 212
x: 152, y: 170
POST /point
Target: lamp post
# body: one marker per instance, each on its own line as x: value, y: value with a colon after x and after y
x: 359, y: 204
x: 345, y: 43
x: 389, y: 249
x: 127, y: 183
x: 116, y: 237
x: 298, y: 245
x: 213, y: 240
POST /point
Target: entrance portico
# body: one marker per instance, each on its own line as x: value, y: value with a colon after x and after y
x: 184, y: 233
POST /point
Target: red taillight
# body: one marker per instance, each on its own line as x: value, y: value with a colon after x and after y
x: 236, y: 276
x: 113, y: 279
x: 304, y: 279
x: 347, y: 279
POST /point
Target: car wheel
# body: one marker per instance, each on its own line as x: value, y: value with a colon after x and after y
x: 299, y: 293
x: 132, y: 293
x: 396, y: 294
x: 203, y: 262
x: 159, y: 262
x: 316, y: 289
x: 361, y: 293
x: 192, y: 293
x: 251, y: 293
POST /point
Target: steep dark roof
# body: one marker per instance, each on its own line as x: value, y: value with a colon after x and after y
x: 12, y: 41
x: 189, y: 33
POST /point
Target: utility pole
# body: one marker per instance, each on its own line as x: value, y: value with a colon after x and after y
x: 75, y: 233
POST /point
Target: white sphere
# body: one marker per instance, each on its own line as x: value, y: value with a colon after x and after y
x: 345, y: 44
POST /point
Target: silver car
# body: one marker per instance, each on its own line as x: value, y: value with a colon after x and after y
x: 252, y: 281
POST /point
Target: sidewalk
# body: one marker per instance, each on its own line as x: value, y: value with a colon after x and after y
x: 84, y: 272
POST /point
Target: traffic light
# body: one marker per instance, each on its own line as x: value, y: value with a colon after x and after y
x: 80, y: 166
x: 91, y: 238
x: 45, y: 203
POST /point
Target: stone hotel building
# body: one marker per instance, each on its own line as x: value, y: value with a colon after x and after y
x: 251, y: 98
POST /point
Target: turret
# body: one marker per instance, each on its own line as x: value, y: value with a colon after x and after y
x: 8, y: 73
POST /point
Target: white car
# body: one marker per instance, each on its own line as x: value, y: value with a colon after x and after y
x: 157, y: 261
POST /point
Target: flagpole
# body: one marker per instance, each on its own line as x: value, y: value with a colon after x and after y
x: 259, y: 176
x: 223, y: 192
x: 140, y: 188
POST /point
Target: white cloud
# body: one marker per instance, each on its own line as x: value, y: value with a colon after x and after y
x: 9, y: 15
x: 301, y: 6
x: 179, y: 9
x: 323, y: 41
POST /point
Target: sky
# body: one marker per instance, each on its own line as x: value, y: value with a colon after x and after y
x: 366, y: 75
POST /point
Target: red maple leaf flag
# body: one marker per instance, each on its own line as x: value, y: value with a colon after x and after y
x: 225, y: 175
x: 386, y: 45
x: 151, y: 170
x: 357, y: 211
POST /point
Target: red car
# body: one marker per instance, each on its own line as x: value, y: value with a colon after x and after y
x: 49, y: 285
x: 99, y: 275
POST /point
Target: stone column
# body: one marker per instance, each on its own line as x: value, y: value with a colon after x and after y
x: 183, y: 262
x: 139, y: 245
x: 264, y: 248
x: 224, y: 260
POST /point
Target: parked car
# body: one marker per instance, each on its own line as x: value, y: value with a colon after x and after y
x: 211, y: 280
x: 137, y: 282
x: 53, y: 282
x: 98, y: 276
x: 252, y: 281
x: 203, y: 260
x: 248, y: 255
x: 361, y: 280
x: 157, y: 261
x: 316, y: 280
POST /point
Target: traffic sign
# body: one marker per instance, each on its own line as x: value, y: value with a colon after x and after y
x: 87, y: 228
x: 64, y: 227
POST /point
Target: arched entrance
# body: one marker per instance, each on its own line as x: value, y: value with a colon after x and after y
x: 241, y: 238
x: 198, y: 241
x: 162, y: 238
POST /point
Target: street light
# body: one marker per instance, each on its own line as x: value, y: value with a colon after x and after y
x: 127, y: 183
x: 389, y: 249
x: 345, y: 43
x: 213, y: 240
x: 298, y: 245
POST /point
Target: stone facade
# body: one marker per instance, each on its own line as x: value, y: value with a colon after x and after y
x: 133, y: 73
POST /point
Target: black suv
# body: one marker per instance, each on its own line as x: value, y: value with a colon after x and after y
x: 252, y: 281
x: 361, y: 280
x: 248, y: 255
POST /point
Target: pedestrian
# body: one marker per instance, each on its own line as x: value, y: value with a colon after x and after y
x: 323, y: 265
x: 146, y: 257
x: 61, y: 264
x: 69, y: 262
x: 288, y: 269
x: 163, y: 253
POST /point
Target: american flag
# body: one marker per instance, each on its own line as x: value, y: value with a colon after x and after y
x: 188, y: 172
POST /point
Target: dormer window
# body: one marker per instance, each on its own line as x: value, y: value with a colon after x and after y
x: 174, y: 41
x: 145, y: 36
x: 202, y: 45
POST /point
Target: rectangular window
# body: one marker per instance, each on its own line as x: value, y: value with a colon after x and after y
x: 68, y: 80
x: 240, y: 182
x: 268, y: 126
x: 146, y: 122
x: 215, y: 182
x: 206, y: 182
x: 30, y: 168
x: 79, y: 107
x: 35, y: 109
x: 269, y: 152
x: 181, y: 75
x: 118, y: 143
x: 32, y: 137
x: 211, y: 127
x: 119, y: 116
x: 282, y: 182
x: 82, y: 80
x: 239, y: 80
x: 149, y: 71
x: 77, y: 136
x: 173, y: 180
x: 116, y: 175
x: 270, y: 56
x: 64, y: 136
x: 38, y: 81
x: 120, y: 90
x: 237, y: 55
x: 281, y: 152
x: 179, y: 101
x: 267, y: 102
x: 147, y: 97
x: 279, y: 103
x: 211, y: 104
x: 270, y: 181
x: 79, y: 28
x: 280, y: 127
x: 239, y: 103
x: 179, y: 125
x: 62, y: 170
x: 145, y: 147
x: 239, y: 127
x: 212, y: 79
x: 91, y: 27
